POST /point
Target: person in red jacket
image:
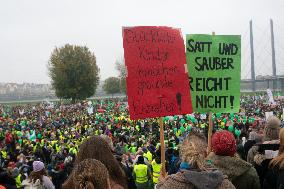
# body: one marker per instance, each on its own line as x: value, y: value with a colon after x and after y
x: 9, y: 141
x: 8, y: 138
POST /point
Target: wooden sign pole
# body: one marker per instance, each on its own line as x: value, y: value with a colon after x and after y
x: 162, y: 141
x: 209, y: 133
x: 210, y: 129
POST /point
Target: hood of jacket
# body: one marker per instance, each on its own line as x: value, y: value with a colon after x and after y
x: 232, y: 167
x: 199, y: 179
x: 204, y: 179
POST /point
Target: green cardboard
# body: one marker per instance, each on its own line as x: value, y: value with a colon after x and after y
x: 214, y: 68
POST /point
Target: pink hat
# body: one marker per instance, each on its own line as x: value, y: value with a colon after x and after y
x: 38, y: 166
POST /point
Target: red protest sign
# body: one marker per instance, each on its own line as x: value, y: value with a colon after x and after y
x: 157, y: 84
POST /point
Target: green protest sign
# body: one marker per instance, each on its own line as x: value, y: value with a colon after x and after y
x: 214, y: 66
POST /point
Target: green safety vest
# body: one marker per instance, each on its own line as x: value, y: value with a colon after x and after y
x: 156, y: 171
x: 126, y: 149
x: 137, y: 128
x: 141, y: 172
x: 133, y: 149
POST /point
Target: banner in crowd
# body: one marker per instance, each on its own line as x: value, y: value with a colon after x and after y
x: 270, y: 96
x: 214, y: 65
x: 157, y: 83
x: 268, y: 114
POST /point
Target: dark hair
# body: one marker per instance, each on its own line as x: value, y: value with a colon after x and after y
x: 34, y: 176
x: 140, y: 160
x: 97, y: 148
x: 158, y: 160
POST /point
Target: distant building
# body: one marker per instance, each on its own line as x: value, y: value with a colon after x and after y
x: 25, y: 91
x: 263, y: 82
x: 3, y: 89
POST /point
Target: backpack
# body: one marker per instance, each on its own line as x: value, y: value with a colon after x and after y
x: 30, y: 185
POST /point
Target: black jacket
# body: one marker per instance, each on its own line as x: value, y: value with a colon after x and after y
x: 248, y: 145
x: 274, y: 179
x: 7, y: 181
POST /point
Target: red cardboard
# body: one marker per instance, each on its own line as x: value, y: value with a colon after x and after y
x: 157, y: 82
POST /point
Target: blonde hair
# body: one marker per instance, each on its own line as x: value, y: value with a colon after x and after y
x: 193, y: 150
x: 278, y: 161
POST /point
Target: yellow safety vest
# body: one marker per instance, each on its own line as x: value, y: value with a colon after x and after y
x: 34, y: 148
x: 73, y: 150
x: 156, y: 171
x: 57, y: 148
x: 141, y: 172
x: 42, y: 143
x: 18, y: 181
x: 178, y: 133
x: 148, y: 155
x: 4, y: 154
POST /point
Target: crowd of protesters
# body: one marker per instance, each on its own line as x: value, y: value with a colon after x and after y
x: 95, y: 145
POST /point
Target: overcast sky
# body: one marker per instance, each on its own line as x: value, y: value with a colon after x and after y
x: 31, y: 29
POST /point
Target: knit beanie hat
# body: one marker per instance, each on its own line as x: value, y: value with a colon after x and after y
x: 224, y: 143
x: 272, y: 128
x: 38, y: 166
